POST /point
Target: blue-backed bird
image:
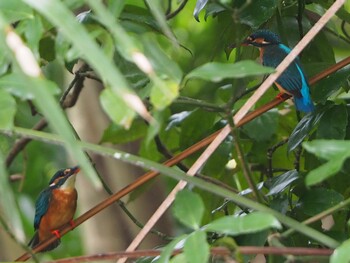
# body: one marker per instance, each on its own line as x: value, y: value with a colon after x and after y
x: 55, y: 207
x: 292, y: 81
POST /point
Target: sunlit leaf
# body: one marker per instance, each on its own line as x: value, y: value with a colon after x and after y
x: 189, y: 208
x: 251, y: 223
x: 7, y: 110
x: 196, y: 248
x: 116, y: 108
x: 341, y: 254
x: 215, y: 71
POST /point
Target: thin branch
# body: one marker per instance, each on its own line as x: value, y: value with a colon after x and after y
x: 216, y: 251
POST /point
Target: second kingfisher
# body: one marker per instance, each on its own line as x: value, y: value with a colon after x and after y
x: 55, y: 207
x: 292, y: 81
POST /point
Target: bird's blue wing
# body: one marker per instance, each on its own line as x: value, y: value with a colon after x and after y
x: 41, y: 206
x: 293, y: 78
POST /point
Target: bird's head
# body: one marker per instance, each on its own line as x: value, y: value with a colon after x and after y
x: 262, y: 38
x: 64, y: 178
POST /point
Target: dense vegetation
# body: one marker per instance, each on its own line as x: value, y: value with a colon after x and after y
x: 172, y: 73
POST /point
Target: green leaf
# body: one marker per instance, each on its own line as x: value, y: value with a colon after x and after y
x: 256, y: 129
x: 189, y: 208
x: 168, y: 249
x: 324, y: 171
x: 117, y: 134
x: 341, y: 254
x: 317, y: 200
x: 279, y: 183
x: 196, y: 248
x: 15, y: 10
x: 163, y: 93
x: 303, y: 128
x: 161, y: 62
x: 254, y: 222
x: 116, y: 108
x: 333, y: 123
x: 258, y: 12
x: 215, y: 71
x: 7, y: 110
x: 195, y: 127
x: 9, y: 210
x: 15, y: 85
x: 326, y: 87
x: 200, y: 4
x: 328, y: 149
x: 336, y: 152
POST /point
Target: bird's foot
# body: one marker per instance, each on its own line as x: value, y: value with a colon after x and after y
x: 56, y: 233
x: 280, y: 96
x: 72, y: 224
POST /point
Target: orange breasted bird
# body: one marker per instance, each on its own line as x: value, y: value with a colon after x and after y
x: 55, y: 207
x: 293, y: 80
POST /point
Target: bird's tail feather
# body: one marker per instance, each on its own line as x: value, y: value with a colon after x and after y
x: 35, y: 241
x: 304, y: 104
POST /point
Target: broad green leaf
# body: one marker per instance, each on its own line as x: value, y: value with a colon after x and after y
x: 195, y: 127
x: 200, y: 4
x: 324, y: 171
x: 304, y: 128
x: 7, y: 110
x: 15, y: 10
x: 156, y: 8
x: 278, y: 184
x: 189, y: 208
x: 163, y: 93
x: 116, y: 109
x: 257, y: 128
x: 181, y: 258
x: 215, y: 71
x: 117, y: 134
x: 333, y: 123
x: 9, y: 210
x: 254, y: 222
x: 168, y: 249
x: 16, y: 85
x: 161, y: 62
x: 258, y: 12
x: 196, y: 248
x: 317, y: 200
x: 328, y: 149
x: 341, y: 254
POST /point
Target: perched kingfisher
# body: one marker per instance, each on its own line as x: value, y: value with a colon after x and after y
x: 293, y: 80
x: 55, y: 207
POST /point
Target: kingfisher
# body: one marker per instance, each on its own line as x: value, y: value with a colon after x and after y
x: 292, y: 81
x: 55, y: 207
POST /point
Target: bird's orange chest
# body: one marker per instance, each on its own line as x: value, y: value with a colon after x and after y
x: 61, y: 210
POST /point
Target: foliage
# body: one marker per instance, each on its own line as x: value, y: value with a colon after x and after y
x: 174, y: 72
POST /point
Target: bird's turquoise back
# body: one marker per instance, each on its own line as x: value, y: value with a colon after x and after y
x: 293, y: 79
